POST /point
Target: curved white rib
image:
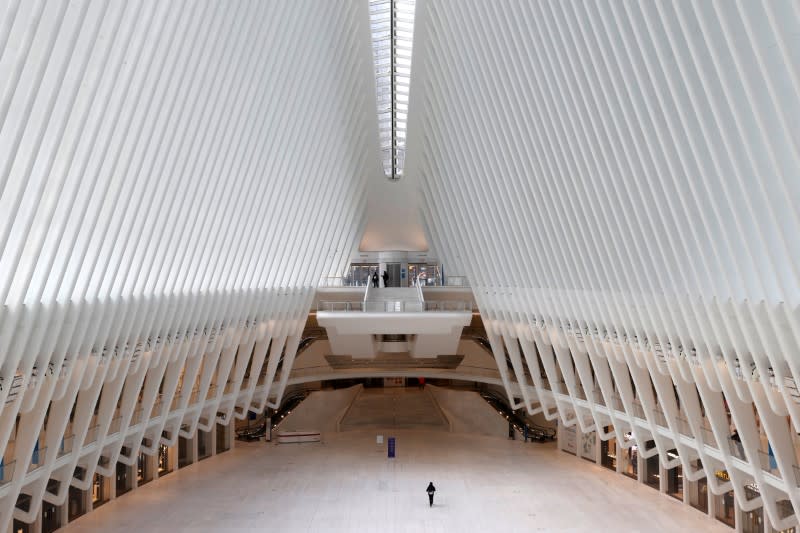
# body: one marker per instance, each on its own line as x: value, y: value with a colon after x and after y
x: 174, y: 178
x: 620, y: 182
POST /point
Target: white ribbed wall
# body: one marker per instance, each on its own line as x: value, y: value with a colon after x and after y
x: 621, y: 183
x: 175, y: 176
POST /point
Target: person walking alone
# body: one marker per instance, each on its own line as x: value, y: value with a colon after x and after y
x: 430, y: 490
x: 375, y: 279
x: 385, y: 277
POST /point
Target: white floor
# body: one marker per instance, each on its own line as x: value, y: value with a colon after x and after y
x: 347, y: 483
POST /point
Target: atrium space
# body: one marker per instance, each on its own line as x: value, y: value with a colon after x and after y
x: 544, y: 252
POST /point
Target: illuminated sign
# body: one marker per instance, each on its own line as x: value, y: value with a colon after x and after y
x: 723, y: 475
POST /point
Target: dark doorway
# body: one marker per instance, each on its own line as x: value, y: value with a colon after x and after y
x: 124, y: 478
x: 184, y: 449
x: 394, y: 270
x: 164, y: 466
x: 222, y: 438
x: 203, y: 444
x: 51, y: 518
x: 76, y: 503
x: 99, y: 492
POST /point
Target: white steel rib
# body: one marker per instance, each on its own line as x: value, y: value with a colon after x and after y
x: 620, y: 181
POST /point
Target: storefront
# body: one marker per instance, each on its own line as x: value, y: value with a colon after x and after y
x: 203, y: 444
x: 630, y: 458
x: 588, y: 446
x: 360, y: 274
x: 675, y: 477
x: 100, y: 491
x: 725, y: 504
x: 124, y: 481
x: 222, y: 438
x: 652, y: 468
x: 144, y: 471
x: 21, y: 527
x: 184, y: 452
x: 752, y: 521
x: 427, y: 274
x: 76, y: 503
x: 784, y: 509
x: 608, y: 451
x: 51, y: 517
x: 569, y: 442
x: 698, y: 490
x: 164, y: 465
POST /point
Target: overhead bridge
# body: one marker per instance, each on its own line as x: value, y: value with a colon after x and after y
x: 365, y: 323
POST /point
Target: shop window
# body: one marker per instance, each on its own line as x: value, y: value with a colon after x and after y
x: 359, y: 274
x: 76, y: 503
x: 675, y: 478
x: 652, y: 469
x: 22, y: 527
x: 698, y: 491
x: 630, y: 459
x: 203, y: 444
x: 184, y: 452
x: 164, y: 466
x: 569, y: 440
x: 608, y: 451
x: 143, y: 473
x: 51, y: 518
x: 588, y: 445
x: 726, y: 508
x: 99, y: 491
x: 752, y: 521
x: 222, y: 438
x: 784, y: 509
x: 631, y: 462
x: 124, y: 479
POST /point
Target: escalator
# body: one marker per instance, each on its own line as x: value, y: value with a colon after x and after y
x: 254, y: 430
x: 484, y: 343
x: 519, y: 423
x: 258, y: 429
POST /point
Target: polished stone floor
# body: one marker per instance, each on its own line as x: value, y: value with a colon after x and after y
x: 347, y: 483
x: 394, y: 408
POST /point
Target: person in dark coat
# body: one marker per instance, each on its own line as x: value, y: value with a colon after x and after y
x: 375, y: 279
x: 385, y: 278
x: 430, y: 490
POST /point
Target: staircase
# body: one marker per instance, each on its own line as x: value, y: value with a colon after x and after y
x: 394, y: 299
x: 393, y: 361
x: 398, y: 408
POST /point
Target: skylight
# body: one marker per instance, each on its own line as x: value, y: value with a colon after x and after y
x: 392, y: 25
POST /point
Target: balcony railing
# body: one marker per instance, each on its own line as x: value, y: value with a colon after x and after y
x: 38, y: 459
x: 425, y: 280
x: 395, y: 306
x: 7, y: 472
x: 66, y: 445
x: 338, y: 281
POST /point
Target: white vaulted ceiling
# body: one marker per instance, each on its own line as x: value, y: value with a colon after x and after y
x: 175, y: 178
x: 620, y: 181
x: 151, y: 148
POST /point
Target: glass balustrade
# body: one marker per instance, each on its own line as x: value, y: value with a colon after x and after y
x: 396, y: 306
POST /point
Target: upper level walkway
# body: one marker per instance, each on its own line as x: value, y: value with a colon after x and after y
x: 360, y: 320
